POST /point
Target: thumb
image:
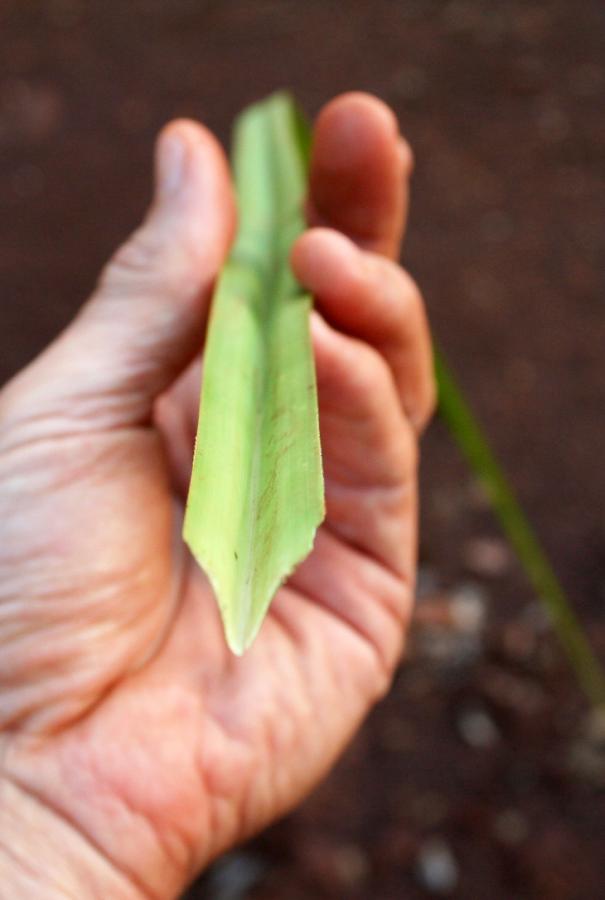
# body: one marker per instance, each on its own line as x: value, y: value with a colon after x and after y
x: 145, y: 321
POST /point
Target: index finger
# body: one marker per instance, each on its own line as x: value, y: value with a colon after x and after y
x: 360, y: 166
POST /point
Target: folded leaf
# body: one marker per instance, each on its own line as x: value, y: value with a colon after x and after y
x: 256, y: 493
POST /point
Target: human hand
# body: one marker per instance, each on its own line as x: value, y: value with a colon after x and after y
x: 134, y: 747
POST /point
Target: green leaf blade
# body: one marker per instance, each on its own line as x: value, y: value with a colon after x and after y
x: 470, y: 438
x: 256, y: 494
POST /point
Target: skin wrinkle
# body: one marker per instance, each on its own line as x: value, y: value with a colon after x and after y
x: 99, y: 591
x: 49, y: 626
x: 98, y: 409
x: 362, y: 631
x: 33, y: 718
x: 280, y: 742
x: 391, y: 457
x: 138, y: 263
x: 223, y: 810
x: 75, y: 831
x: 95, y: 598
x: 46, y: 718
x: 137, y: 580
x: 341, y: 678
x: 386, y: 482
x: 100, y: 629
x: 400, y: 586
x: 103, y: 783
x: 381, y: 297
x: 157, y: 834
x: 245, y: 811
x: 240, y: 732
x: 364, y: 237
x: 367, y: 374
x: 87, y: 709
x: 321, y: 611
x: 95, y: 440
x: 251, y: 799
x: 340, y: 498
x: 25, y: 866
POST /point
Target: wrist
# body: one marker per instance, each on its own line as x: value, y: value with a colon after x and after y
x: 44, y: 855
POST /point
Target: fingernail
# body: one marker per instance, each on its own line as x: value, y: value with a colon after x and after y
x: 171, y: 163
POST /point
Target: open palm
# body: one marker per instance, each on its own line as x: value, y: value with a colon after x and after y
x: 134, y: 747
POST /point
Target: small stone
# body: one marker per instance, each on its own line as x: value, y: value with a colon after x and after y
x: 352, y: 865
x: 234, y: 876
x: 485, y: 556
x: 340, y: 867
x: 436, y: 867
x: 448, y: 627
x: 513, y: 693
x: 477, y: 729
x: 468, y: 608
x: 434, y: 612
x: 587, y: 754
x: 438, y: 642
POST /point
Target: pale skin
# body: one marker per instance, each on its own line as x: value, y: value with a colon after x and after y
x: 134, y: 748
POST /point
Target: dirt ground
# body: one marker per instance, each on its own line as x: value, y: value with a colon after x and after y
x: 481, y: 774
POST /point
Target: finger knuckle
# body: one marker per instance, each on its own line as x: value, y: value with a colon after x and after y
x: 411, y: 302
x: 371, y: 372
x: 145, y: 263
x: 402, y: 304
x: 136, y: 257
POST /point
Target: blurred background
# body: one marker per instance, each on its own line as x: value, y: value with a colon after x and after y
x: 483, y: 772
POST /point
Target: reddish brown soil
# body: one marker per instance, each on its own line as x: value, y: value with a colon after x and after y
x: 474, y: 778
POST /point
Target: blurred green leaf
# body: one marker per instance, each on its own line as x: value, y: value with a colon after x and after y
x: 467, y: 433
